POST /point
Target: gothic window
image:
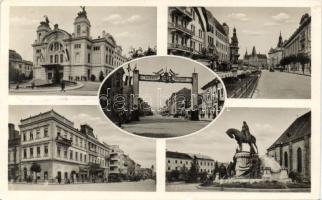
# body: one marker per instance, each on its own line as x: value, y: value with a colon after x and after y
x: 285, y: 159
x: 56, y: 58
x: 299, y: 160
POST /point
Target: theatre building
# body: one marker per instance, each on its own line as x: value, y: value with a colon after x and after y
x: 50, y: 140
x: 293, y: 148
x: 75, y: 56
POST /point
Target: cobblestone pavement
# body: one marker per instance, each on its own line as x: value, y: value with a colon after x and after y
x: 147, y: 185
x: 281, y: 85
x: 160, y: 127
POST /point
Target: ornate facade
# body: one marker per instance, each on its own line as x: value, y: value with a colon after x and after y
x: 58, y: 54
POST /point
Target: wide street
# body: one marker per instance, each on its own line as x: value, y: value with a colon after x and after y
x: 282, y: 85
x: 160, y: 126
x: 147, y: 185
x: 183, y: 187
x: 89, y: 89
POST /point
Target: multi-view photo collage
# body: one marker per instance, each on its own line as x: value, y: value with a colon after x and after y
x: 206, y: 98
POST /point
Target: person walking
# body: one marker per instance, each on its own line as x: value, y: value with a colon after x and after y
x: 62, y: 85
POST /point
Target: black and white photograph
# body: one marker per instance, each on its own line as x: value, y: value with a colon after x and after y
x: 248, y: 150
x: 73, y: 148
x: 69, y: 50
x: 155, y: 95
x: 259, y: 52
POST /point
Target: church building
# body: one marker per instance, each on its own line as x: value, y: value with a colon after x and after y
x: 255, y: 59
x: 58, y: 54
x: 293, y: 148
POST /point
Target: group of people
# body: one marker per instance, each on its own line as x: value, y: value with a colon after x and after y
x: 77, y: 78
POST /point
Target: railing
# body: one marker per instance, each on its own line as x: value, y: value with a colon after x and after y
x: 180, y: 27
x: 63, y: 141
x: 179, y: 46
x: 184, y: 11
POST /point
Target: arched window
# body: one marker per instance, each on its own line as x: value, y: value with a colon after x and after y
x: 299, y: 160
x: 61, y: 58
x: 285, y: 159
x: 56, y: 58
x: 78, y: 29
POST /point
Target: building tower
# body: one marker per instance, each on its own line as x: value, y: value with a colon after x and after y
x: 280, y: 41
x: 254, y: 52
x: 234, y: 48
x: 43, y: 29
x: 82, y: 26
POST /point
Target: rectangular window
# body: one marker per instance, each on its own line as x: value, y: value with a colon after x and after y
x: 38, y: 151
x: 88, y: 58
x: 51, y: 59
x: 38, y: 134
x: 58, y: 151
x: 58, y: 131
x: 25, y: 153
x: 46, y: 150
x: 24, y: 136
x: 76, y: 156
x: 46, y: 132
x: 65, y: 152
x: 81, y: 157
x: 78, y: 29
x: 31, y: 135
x: 96, y: 48
x: 71, y: 154
x: 31, y: 150
x: 77, y: 46
x: 84, y: 158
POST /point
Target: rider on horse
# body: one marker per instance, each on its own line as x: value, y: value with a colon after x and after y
x: 245, y: 131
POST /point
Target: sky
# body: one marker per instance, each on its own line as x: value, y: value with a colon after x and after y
x: 129, y: 26
x: 259, y: 27
x: 266, y: 124
x: 156, y: 92
x: 139, y: 149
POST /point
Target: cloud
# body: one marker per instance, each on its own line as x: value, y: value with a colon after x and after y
x: 23, y: 21
x: 117, y: 19
x: 238, y: 16
x: 252, y: 33
x: 123, y: 34
x: 281, y: 17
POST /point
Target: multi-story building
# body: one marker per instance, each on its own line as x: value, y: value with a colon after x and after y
x: 292, y: 150
x: 255, y: 59
x: 299, y: 44
x: 58, y: 54
x: 118, y: 164
x: 14, y: 155
x: 194, y: 32
x: 62, y: 151
x: 275, y: 54
x: 21, y: 66
x: 179, y: 161
x: 212, y: 99
x: 179, y: 102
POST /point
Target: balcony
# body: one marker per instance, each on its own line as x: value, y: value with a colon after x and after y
x: 63, y: 141
x: 180, y: 28
x: 179, y: 47
x: 182, y: 11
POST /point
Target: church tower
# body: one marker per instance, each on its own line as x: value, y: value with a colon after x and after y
x: 82, y: 26
x: 234, y: 48
x: 246, y: 54
x: 254, y: 52
x: 280, y: 41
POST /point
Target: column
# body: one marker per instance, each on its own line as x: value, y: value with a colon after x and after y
x: 194, y: 97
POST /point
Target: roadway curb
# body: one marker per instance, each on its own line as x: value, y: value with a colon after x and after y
x: 79, y: 85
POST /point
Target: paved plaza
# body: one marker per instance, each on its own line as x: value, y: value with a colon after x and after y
x: 282, y: 85
x: 88, y: 89
x: 159, y: 126
x: 146, y: 185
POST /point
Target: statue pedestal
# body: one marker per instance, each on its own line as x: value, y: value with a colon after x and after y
x: 245, y: 163
x: 242, y: 162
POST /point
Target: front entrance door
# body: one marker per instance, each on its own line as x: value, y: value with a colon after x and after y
x: 88, y: 74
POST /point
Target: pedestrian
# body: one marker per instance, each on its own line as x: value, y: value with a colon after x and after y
x: 62, y: 85
x: 33, y: 85
x: 59, y: 179
x: 17, y: 86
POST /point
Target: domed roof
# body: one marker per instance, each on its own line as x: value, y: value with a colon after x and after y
x: 43, y: 26
x: 13, y: 55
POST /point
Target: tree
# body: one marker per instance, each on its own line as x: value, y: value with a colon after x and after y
x: 192, y: 175
x: 35, y: 168
x: 101, y: 76
x: 303, y: 59
x: 13, y: 74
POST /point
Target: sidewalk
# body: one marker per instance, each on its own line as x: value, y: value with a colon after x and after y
x: 299, y: 73
x: 45, y: 89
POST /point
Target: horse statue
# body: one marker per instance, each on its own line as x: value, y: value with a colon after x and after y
x: 241, y: 138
